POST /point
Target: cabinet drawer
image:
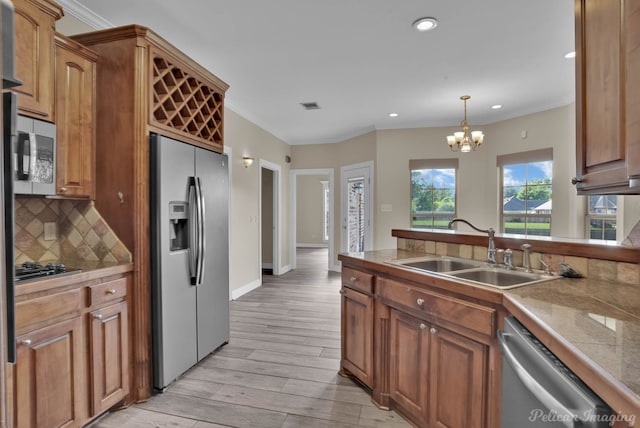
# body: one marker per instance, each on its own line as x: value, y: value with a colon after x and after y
x: 475, y: 317
x: 108, y: 291
x: 46, y: 310
x: 359, y: 280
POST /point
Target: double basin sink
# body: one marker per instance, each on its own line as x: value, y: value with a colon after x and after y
x: 472, y: 271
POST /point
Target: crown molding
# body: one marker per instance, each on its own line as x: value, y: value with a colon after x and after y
x: 84, y: 14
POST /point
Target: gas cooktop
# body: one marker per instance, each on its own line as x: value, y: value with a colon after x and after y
x: 35, y: 270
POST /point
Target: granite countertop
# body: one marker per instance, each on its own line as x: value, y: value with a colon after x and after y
x: 592, y: 324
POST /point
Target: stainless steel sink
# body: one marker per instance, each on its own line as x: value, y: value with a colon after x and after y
x: 472, y: 271
x: 440, y: 265
x: 501, y: 278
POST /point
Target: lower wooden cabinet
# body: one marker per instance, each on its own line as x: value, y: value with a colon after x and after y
x: 109, y: 356
x: 49, y: 388
x: 458, y: 385
x: 357, y: 337
x: 72, y: 352
x: 409, y: 365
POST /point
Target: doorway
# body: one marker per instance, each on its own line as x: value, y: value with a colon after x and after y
x: 312, y: 227
x: 269, y: 218
x: 356, y: 216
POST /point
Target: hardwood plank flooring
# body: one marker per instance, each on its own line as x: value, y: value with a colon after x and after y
x: 280, y: 368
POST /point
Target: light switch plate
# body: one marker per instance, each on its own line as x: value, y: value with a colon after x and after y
x: 386, y: 208
x: 50, y: 231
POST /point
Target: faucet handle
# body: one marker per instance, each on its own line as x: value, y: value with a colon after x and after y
x: 526, y: 247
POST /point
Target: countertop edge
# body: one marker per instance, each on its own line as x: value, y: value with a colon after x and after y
x: 620, y: 397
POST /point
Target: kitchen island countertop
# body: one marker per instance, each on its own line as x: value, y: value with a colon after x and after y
x: 591, y: 325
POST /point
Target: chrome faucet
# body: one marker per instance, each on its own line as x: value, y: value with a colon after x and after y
x: 491, y: 248
x: 526, y: 258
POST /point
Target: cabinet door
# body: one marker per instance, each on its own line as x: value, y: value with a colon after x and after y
x: 357, y: 335
x: 607, y: 108
x: 49, y: 377
x: 409, y: 365
x: 458, y: 384
x: 109, y: 356
x: 75, y: 107
x: 34, y: 62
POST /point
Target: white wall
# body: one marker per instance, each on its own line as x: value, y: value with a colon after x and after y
x: 310, y: 210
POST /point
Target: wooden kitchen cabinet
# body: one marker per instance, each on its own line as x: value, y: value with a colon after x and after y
x: 409, y: 365
x: 437, y: 377
x: 75, y: 112
x: 49, y: 388
x: 458, y: 386
x: 34, y: 29
x: 72, y: 349
x: 607, y: 103
x: 357, y: 337
x: 109, y: 356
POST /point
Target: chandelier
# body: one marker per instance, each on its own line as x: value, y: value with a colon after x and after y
x: 462, y: 141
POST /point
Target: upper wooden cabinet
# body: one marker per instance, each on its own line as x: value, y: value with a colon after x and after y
x: 75, y: 112
x: 607, y: 101
x: 34, y: 57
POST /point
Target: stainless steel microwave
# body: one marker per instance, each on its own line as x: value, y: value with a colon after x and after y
x: 34, y: 157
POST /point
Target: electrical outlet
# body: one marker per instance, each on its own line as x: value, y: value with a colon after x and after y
x: 50, y: 231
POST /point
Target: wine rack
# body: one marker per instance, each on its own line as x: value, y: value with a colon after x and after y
x: 184, y: 103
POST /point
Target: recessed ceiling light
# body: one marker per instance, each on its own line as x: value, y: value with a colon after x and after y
x: 393, y: 114
x: 496, y: 106
x: 425, y: 24
x: 570, y: 55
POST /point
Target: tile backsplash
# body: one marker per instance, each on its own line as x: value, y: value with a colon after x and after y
x: 52, y: 229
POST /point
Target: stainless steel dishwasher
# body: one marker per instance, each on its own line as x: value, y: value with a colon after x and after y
x: 538, y: 390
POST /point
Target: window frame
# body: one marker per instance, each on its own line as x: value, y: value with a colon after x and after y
x: 422, y: 164
x: 596, y: 216
x: 519, y: 158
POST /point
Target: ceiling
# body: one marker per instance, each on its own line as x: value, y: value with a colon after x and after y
x: 361, y: 59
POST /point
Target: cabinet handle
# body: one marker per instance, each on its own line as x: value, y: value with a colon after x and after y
x: 420, y: 302
x: 26, y: 342
x: 422, y: 326
x: 63, y: 190
x: 111, y: 291
x: 433, y: 330
x: 576, y: 180
x: 97, y: 316
x: 353, y: 278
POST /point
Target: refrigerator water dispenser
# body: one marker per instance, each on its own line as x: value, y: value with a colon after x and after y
x: 178, y: 226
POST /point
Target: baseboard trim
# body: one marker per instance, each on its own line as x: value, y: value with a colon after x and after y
x: 239, y: 292
x: 311, y: 245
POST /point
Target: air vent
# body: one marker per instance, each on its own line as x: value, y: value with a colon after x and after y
x: 310, y: 106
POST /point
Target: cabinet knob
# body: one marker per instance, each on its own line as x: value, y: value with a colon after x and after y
x: 576, y: 180
x: 111, y: 291
x: 423, y: 326
x: 353, y: 278
x: 63, y: 190
x: 26, y: 342
x: 420, y: 302
x: 433, y: 330
x: 97, y: 316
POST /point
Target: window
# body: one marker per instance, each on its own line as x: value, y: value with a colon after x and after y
x: 526, y: 192
x: 325, y: 204
x: 601, y: 217
x: 433, y: 192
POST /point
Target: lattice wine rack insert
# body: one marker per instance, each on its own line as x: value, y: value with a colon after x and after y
x: 184, y: 103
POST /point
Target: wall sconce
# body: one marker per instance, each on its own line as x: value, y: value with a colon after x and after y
x: 247, y: 161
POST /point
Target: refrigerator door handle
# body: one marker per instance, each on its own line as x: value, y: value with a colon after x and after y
x: 194, y: 245
x: 201, y: 232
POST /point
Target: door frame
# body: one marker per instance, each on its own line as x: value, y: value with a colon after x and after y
x: 276, y: 170
x: 293, y: 174
x: 368, y: 207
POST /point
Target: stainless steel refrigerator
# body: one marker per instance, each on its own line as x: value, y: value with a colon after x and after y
x: 189, y: 255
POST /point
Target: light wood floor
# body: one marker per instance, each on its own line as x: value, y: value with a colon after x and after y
x: 278, y: 370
